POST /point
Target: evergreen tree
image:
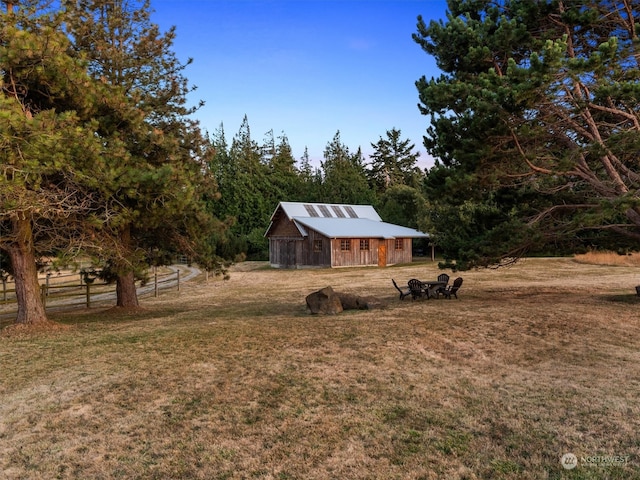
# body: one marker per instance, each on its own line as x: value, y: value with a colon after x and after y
x: 402, y: 205
x: 311, y: 180
x: 535, y: 123
x: 225, y: 171
x: 406, y: 206
x: 393, y: 162
x: 225, y: 242
x: 251, y: 173
x: 305, y: 165
x: 252, y: 191
x: 285, y: 180
x: 157, y: 191
x: 344, y: 175
x: 268, y: 147
x: 53, y: 168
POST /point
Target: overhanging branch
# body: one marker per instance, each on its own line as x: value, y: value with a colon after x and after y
x: 549, y: 211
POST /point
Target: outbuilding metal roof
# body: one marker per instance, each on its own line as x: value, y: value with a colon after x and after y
x: 358, y: 227
x: 327, y: 210
x: 343, y: 221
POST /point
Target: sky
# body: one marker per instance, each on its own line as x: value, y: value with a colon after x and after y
x: 305, y: 68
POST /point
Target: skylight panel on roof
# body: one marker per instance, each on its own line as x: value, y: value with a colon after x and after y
x: 351, y: 212
x: 325, y: 211
x: 338, y: 211
x: 311, y: 210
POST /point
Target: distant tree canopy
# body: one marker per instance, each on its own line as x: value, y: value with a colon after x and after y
x: 344, y: 177
x: 252, y: 178
x: 536, y: 125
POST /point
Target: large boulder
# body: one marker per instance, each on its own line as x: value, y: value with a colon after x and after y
x: 324, y: 301
x: 329, y: 302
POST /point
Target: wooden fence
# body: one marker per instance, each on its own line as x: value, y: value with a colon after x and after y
x: 66, y: 291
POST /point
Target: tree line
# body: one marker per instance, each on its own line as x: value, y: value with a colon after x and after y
x: 253, y: 177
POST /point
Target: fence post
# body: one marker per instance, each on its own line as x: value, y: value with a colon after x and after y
x: 88, y: 287
x: 178, y: 278
x: 43, y: 294
x: 4, y: 289
x: 155, y: 281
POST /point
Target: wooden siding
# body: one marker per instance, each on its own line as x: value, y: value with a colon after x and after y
x: 295, y: 253
x: 283, y: 252
x: 405, y: 255
x: 284, y: 228
x: 299, y: 252
x: 285, y: 243
x: 354, y: 256
x: 313, y: 258
x: 289, y: 249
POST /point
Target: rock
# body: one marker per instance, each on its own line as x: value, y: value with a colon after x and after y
x: 353, y: 302
x: 329, y: 302
x: 324, y: 301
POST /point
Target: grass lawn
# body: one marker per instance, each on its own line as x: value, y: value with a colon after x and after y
x: 236, y: 380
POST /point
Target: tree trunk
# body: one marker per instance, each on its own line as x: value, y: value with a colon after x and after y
x: 23, y: 260
x: 126, y: 293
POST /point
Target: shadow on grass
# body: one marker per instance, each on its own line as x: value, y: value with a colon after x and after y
x: 628, y: 298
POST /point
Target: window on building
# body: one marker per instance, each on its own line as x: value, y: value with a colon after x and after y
x: 364, y: 244
x: 345, y: 244
x: 399, y: 244
x: 317, y: 245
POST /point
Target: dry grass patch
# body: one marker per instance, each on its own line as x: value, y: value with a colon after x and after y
x: 609, y: 258
x: 236, y: 380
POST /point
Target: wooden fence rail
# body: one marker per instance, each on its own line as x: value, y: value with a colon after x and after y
x: 84, y: 293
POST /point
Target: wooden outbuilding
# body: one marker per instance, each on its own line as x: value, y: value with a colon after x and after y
x: 335, y: 235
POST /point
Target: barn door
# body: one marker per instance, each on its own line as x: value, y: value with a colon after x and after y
x: 288, y: 254
x: 382, y: 254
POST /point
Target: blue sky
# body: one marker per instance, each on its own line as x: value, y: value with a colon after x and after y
x: 305, y: 68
